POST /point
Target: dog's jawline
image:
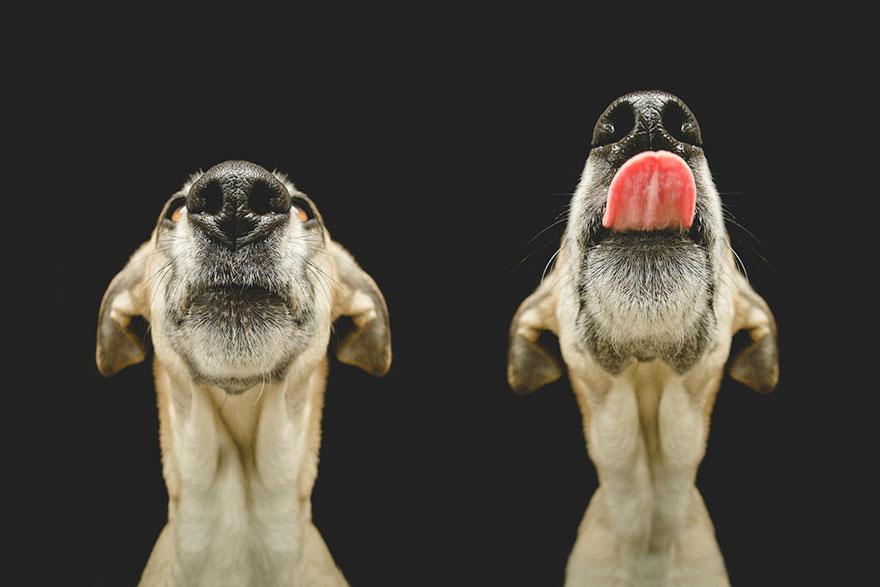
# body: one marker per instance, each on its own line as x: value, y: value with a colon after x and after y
x: 236, y: 385
x: 680, y: 359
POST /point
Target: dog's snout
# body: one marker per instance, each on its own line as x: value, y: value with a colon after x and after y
x: 646, y: 121
x: 237, y: 203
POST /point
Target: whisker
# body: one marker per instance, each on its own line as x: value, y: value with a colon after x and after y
x: 324, y: 273
x: 156, y: 251
x: 533, y: 253
x: 547, y: 266
x: 728, y: 217
x: 741, y: 264
x: 322, y: 249
x: 259, y: 395
x: 560, y: 218
x: 167, y: 273
x: 555, y: 223
x: 160, y: 270
x: 320, y: 283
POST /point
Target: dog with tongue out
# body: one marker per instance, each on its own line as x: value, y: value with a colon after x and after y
x: 645, y: 298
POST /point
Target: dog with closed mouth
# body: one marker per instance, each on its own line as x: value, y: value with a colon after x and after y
x: 645, y: 298
x: 240, y: 284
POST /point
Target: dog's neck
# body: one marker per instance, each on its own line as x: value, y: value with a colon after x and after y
x: 646, y: 431
x: 240, y: 471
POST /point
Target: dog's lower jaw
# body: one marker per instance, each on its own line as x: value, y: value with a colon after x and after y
x: 646, y: 431
x: 644, y: 297
x: 240, y: 472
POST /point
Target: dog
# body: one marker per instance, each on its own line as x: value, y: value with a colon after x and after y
x: 241, y: 286
x: 645, y: 298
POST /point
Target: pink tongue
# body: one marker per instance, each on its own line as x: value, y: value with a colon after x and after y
x: 654, y: 190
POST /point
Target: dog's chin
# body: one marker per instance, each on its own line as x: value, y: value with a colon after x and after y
x: 237, y: 337
x: 644, y: 295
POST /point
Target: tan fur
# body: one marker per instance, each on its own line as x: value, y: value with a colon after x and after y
x: 646, y: 430
x: 230, y: 432
x: 240, y: 469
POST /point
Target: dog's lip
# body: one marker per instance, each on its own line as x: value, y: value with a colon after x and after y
x: 240, y: 292
x: 598, y: 232
x: 233, y: 286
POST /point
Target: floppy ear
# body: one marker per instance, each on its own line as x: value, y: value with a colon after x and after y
x: 118, y: 345
x: 757, y: 365
x: 532, y: 362
x: 364, y: 340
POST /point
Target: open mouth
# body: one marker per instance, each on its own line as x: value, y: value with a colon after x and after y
x: 653, y: 194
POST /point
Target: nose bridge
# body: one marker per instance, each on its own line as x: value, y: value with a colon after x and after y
x: 234, y: 220
x: 648, y: 110
x: 236, y: 182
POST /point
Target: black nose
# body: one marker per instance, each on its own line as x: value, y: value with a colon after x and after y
x: 646, y: 121
x: 237, y: 203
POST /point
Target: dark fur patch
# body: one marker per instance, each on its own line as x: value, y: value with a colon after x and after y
x: 367, y: 346
x: 119, y: 346
x: 532, y: 365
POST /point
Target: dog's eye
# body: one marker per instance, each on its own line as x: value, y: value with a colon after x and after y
x: 175, y: 210
x: 302, y: 210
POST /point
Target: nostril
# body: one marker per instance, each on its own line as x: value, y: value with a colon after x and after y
x: 266, y: 196
x: 615, y: 125
x: 260, y: 198
x: 681, y: 124
x: 623, y: 119
x: 213, y: 198
x: 207, y: 198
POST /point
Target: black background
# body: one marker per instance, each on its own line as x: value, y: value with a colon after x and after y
x: 436, y: 149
